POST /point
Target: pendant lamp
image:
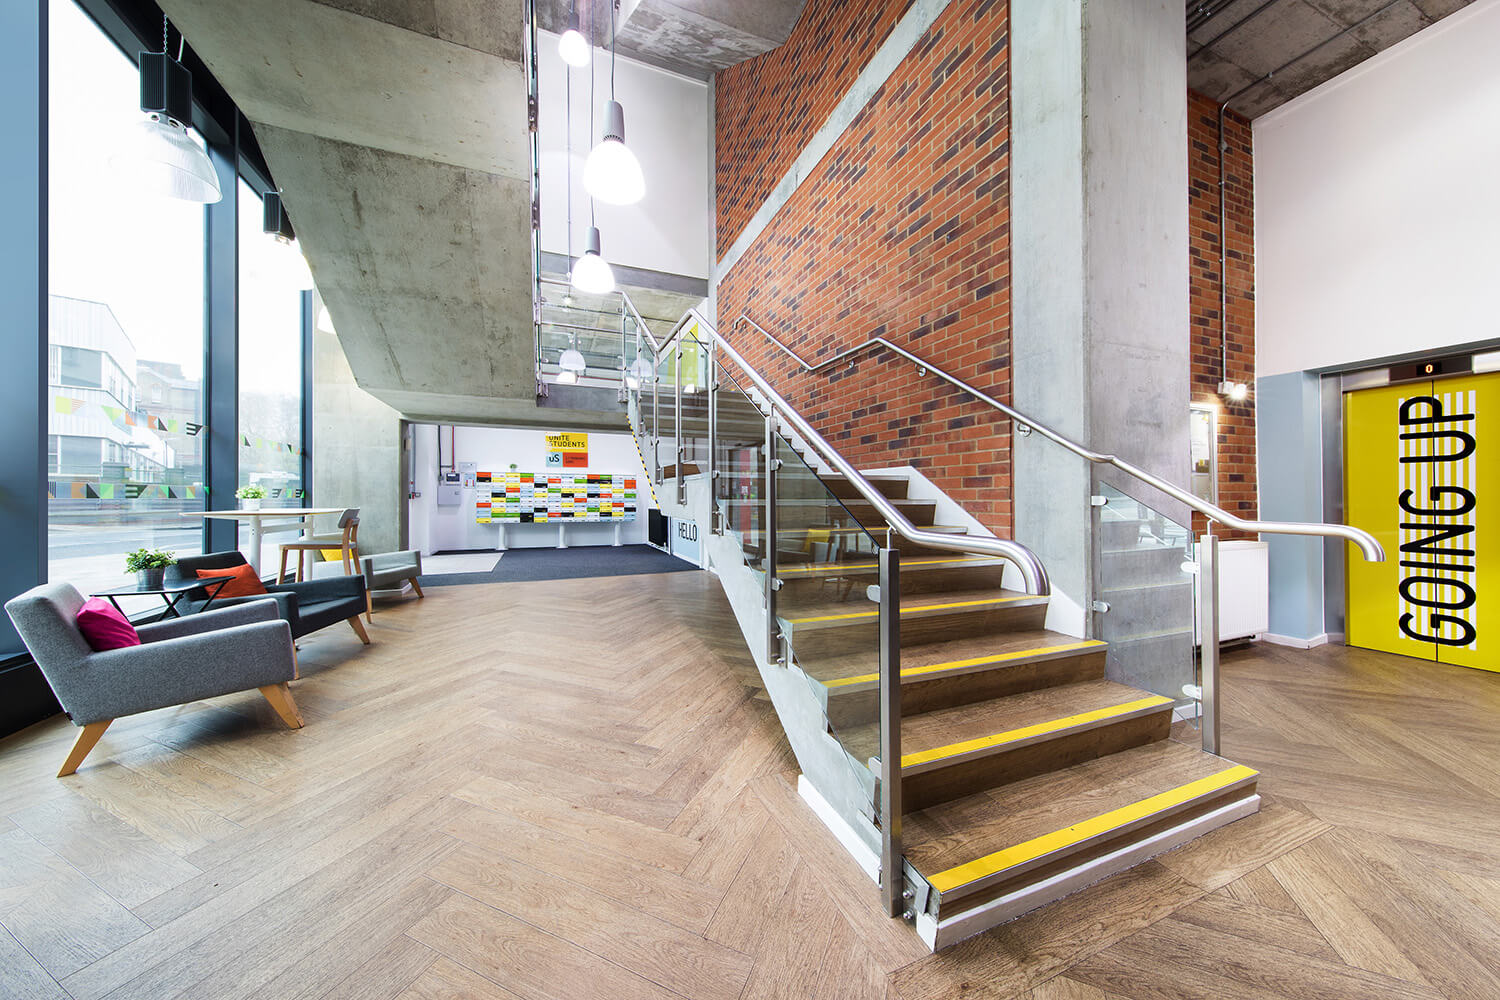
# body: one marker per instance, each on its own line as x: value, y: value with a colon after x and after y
x: 612, y: 173
x: 572, y: 46
x: 158, y: 155
x: 591, y: 272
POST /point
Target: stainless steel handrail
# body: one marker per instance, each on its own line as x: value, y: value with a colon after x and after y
x: 640, y: 323
x: 1372, y: 549
x: 1030, y: 565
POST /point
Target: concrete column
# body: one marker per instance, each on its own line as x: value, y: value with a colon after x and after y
x: 1100, y: 345
x: 356, y: 448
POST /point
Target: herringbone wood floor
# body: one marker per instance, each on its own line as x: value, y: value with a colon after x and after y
x: 575, y: 789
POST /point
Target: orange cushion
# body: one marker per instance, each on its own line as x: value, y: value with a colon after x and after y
x: 243, y: 581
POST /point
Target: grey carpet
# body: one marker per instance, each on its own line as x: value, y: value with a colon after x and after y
x: 567, y: 564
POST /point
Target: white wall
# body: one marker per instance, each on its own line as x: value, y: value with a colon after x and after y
x: 447, y: 529
x: 666, y: 125
x: 1377, y: 207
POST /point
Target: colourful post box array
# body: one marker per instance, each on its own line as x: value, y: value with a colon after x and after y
x: 544, y: 498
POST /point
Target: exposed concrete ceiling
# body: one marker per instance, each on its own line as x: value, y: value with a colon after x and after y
x: 1259, y: 54
x: 693, y: 37
x: 397, y: 130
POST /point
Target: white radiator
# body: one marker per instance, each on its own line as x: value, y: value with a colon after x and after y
x: 1244, y: 590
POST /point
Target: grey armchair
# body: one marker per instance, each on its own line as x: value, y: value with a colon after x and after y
x: 390, y: 569
x: 306, y: 607
x: 178, y: 661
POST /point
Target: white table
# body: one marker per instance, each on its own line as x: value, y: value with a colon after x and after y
x: 258, y: 527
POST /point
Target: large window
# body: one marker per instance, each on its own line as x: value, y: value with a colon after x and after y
x: 125, y: 371
x: 273, y: 278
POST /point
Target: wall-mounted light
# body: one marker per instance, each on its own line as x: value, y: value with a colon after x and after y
x: 158, y: 154
x: 572, y: 46
x: 591, y: 272
x: 1235, y: 392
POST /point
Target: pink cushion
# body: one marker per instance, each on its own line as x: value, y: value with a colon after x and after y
x: 104, y: 627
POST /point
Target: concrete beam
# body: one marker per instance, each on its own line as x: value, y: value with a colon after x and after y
x: 307, y: 67
x: 423, y: 265
x: 693, y: 37
x: 397, y: 132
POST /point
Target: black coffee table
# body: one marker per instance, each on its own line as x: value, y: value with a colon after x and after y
x: 171, y: 593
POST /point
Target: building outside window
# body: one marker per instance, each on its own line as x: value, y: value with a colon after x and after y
x: 125, y: 311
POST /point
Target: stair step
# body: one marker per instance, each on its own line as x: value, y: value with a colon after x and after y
x: 956, y: 672
x: 953, y: 752
x: 919, y: 574
x: 855, y: 543
x: 822, y: 628
x: 980, y: 843
x: 913, y: 608
x: 861, y: 565
x: 970, y: 732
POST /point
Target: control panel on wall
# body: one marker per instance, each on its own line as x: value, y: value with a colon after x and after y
x: 450, y: 491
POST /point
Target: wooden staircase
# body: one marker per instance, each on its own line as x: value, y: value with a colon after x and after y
x: 1026, y: 774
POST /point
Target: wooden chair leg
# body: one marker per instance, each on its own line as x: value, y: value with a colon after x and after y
x: 300, y: 554
x: 369, y: 608
x: 416, y: 586
x: 348, y: 570
x: 359, y: 630
x: 280, y: 697
x: 281, y: 572
x: 85, y: 742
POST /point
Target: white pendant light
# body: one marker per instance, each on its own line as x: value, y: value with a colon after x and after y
x: 612, y: 173
x: 639, y: 373
x: 571, y: 363
x: 591, y: 272
x: 572, y: 46
x: 158, y: 155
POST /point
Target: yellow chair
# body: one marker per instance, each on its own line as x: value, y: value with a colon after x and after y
x: 346, y: 543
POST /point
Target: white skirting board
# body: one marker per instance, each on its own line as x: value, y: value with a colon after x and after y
x: 1294, y: 642
x: 842, y: 831
x: 997, y: 911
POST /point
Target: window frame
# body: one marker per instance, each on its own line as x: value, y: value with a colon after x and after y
x: 133, y: 26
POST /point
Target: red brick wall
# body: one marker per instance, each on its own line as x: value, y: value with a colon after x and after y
x: 767, y: 108
x: 1237, y: 483
x: 903, y: 230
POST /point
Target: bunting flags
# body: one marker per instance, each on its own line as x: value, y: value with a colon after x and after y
x: 123, y: 418
x: 79, y: 489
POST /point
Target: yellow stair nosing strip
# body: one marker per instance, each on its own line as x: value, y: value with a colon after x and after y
x: 1080, y: 720
x: 923, y: 607
x: 1050, y: 843
x: 1016, y: 654
x: 833, y: 568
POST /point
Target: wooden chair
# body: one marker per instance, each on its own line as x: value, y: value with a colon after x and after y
x: 346, y: 541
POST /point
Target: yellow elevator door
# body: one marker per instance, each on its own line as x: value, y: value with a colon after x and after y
x: 1419, y: 474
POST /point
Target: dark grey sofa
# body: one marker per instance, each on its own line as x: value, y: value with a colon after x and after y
x: 306, y: 607
x: 185, y: 659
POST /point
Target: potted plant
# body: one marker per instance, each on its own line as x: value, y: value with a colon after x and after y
x: 250, y: 497
x: 149, y: 566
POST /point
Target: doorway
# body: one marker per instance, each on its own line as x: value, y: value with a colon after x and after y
x: 1418, y: 474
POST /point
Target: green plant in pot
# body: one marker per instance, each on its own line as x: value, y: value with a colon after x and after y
x: 149, y: 565
x: 250, y: 497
